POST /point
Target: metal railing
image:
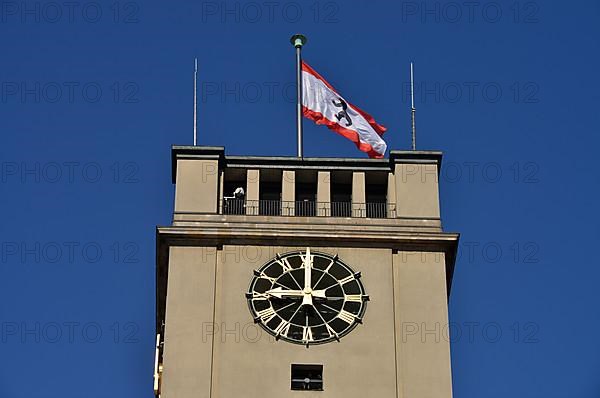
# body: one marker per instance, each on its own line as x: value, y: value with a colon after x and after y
x: 306, y: 208
x: 233, y: 206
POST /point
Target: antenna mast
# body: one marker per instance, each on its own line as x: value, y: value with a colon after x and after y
x: 195, y: 100
x: 412, y: 109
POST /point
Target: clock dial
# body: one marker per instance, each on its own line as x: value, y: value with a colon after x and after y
x: 307, y: 297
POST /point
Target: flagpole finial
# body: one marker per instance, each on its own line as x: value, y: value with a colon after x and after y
x: 298, y: 40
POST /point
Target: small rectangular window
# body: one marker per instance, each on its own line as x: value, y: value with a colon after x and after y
x: 307, y: 377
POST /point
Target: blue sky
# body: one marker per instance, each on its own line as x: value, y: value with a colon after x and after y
x: 93, y: 94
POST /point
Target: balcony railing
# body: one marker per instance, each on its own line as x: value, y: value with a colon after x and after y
x: 306, y: 208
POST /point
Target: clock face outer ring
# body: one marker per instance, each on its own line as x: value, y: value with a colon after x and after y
x: 344, y: 282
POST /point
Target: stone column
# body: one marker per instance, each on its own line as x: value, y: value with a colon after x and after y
x: 221, y: 193
x: 324, y: 193
x: 391, y: 196
x: 288, y: 193
x: 252, y: 191
x: 359, y: 198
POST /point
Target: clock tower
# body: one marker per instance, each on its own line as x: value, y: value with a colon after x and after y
x: 303, y: 277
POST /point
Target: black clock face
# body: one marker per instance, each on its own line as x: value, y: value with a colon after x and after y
x: 307, y: 297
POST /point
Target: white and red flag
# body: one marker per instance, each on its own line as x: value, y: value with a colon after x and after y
x: 322, y: 104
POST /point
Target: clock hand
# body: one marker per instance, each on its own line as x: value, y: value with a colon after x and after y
x: 280, y: 293
x: 319, y: 293
x: 307, y: 269
x: 307, y: 276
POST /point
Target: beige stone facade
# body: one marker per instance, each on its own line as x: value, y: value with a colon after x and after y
x: 381, y: 217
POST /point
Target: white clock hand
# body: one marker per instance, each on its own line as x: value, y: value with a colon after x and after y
x: 307, y: 276
x: 307, y: 269
x: 319, y: 293
x: 280, y: 293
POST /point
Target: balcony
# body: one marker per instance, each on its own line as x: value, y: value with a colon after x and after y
x: 307, y: 208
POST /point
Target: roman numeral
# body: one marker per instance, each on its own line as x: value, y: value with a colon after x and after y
x: 354, y: 297
x: 335, y: 258
x: 285, y: 264
x: 307, y: 334
x: 266, y: 315
x: 257, y: 296
x: 332, y: 332
x: 347, y: 317
x: 264, y: 276
x: 349, y: 278
x: 282, y: 329
x: 310, y: 259
x: 329, y: 266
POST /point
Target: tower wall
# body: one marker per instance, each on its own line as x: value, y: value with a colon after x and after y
x: 206, y: 259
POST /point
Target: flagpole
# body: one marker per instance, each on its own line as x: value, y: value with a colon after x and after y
x: 195, y: 100
x: 298, y: 41
x: 412, y: 109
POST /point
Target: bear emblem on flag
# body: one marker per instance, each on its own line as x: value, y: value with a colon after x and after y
x: 324, y: 105
x: 342, y: 114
